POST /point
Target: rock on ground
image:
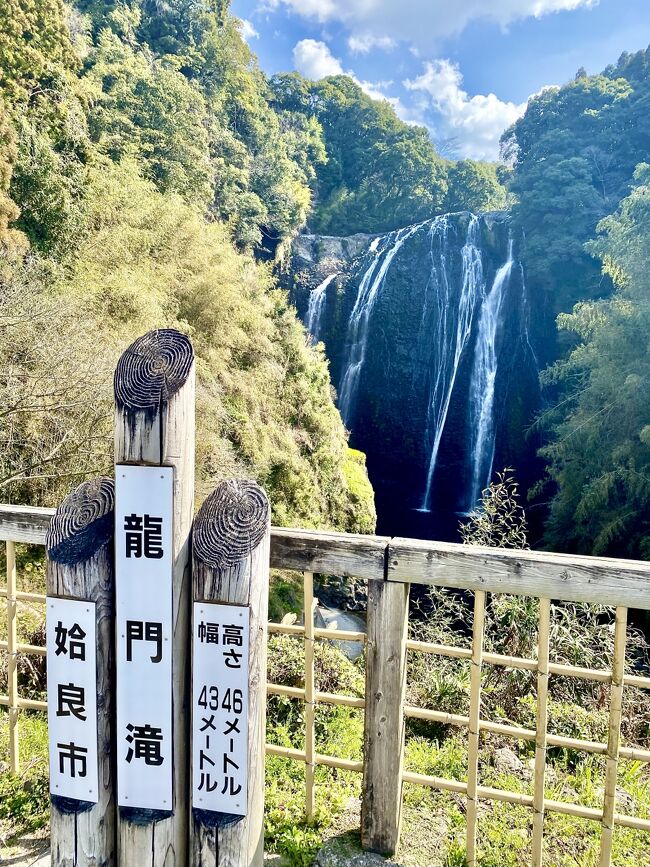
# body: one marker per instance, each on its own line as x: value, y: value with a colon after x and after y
x: 344, y: 851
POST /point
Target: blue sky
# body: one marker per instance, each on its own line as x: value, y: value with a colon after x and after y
x: 463, y: 68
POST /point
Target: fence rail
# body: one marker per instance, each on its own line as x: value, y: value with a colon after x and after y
x: 390, y: 561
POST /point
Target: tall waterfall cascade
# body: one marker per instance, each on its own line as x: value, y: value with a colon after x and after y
x: 429, y: 333
x: 482, y: 382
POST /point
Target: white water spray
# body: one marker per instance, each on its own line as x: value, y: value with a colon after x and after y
x: 449, y: 342
x: 316, y: 306
x: 484, y: 373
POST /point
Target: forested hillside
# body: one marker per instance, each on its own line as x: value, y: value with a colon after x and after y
x: 140, y: 162
x: 373, y: 172
x: 579, y: 154
x: 574, y: 152
x: 151, y: 174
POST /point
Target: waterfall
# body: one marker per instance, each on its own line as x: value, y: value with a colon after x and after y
x: 357, y: 333
x: 316, y: 306
x: 481, y: 395
x: 452, y: 329
x: 432, y: 334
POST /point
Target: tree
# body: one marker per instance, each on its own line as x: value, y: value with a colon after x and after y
x: 142, y: 108
x: 12, y: 242
x: 499, y: 521
x: 380, y: 173
x: 134, y: 174
x: 599, y: 454
x: 474, y: 186
x: 573, y: 154
x: 34, y: 45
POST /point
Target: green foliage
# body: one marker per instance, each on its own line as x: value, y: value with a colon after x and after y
x: 148, y: 259
x: 363, y: 516
x: 339, y: 731
x: 134, y: 173
x: 34, y: 46
x: 285, y: 594
x: 144, y: 109
x: 580, y: 635
x: 12, y: 242
x: 380, y: 173
x: 50, y: 184
x: 574, y: 153
x: 334, y: 671
x: 25, y: 799
x: 599, y: 454
x: 499, y: 521
x: 474, y: 186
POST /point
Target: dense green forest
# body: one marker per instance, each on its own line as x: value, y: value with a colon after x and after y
x: 140, y: 161
x: 582, y: 192
x: 151, y: 174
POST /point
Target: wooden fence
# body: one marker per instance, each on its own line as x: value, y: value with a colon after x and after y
x: 390, y: 566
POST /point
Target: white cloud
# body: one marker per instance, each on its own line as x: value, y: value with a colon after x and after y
x: 314, y: 60
x: 247, y: 30
x: 420, y: 21
x: 365, y: 43
x: 476, y: 122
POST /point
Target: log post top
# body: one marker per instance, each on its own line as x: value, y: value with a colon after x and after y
x: 231, y: 523
x: 83, y: 523
x: 153, y: 369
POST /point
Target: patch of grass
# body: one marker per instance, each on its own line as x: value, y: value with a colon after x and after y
x: 339, y: 732
x: 24, y: 798
x: 434, y: 822
x: 285, y: 594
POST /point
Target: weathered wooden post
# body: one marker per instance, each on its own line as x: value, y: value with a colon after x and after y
x: 154, y: 430
x: 381, y: 805
x: 230, y: 575
x: 80, y: 677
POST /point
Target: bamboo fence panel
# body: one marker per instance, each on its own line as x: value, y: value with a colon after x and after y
x: 13, y: 701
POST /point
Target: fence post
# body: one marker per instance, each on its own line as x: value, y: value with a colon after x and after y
x: 231, y: 545
x: 381, y: 804
x: 80, y: 567
x: 154, y: 426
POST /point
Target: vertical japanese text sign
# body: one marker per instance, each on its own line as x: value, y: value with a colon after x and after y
x: 220, y: 673
x: 143, y: 636
x: 72, y: 699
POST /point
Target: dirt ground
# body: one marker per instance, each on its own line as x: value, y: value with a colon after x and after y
x: 30, y: 851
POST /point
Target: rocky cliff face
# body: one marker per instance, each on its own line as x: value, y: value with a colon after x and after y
x: 430, y: 335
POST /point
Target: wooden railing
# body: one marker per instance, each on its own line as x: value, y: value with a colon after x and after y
x: 390, y: 566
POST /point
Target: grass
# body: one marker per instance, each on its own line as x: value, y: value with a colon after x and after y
x: 24, y: 798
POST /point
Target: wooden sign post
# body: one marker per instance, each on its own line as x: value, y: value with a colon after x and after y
x: 230, y: 576
x: 79, y: 677
x: 154, y: 456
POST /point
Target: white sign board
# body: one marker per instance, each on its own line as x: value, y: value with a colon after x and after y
x: 143, y: 635
x: 220, y: 707
x: 72, y: 698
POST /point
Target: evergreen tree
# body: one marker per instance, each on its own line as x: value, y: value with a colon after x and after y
x: 599, y: 454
